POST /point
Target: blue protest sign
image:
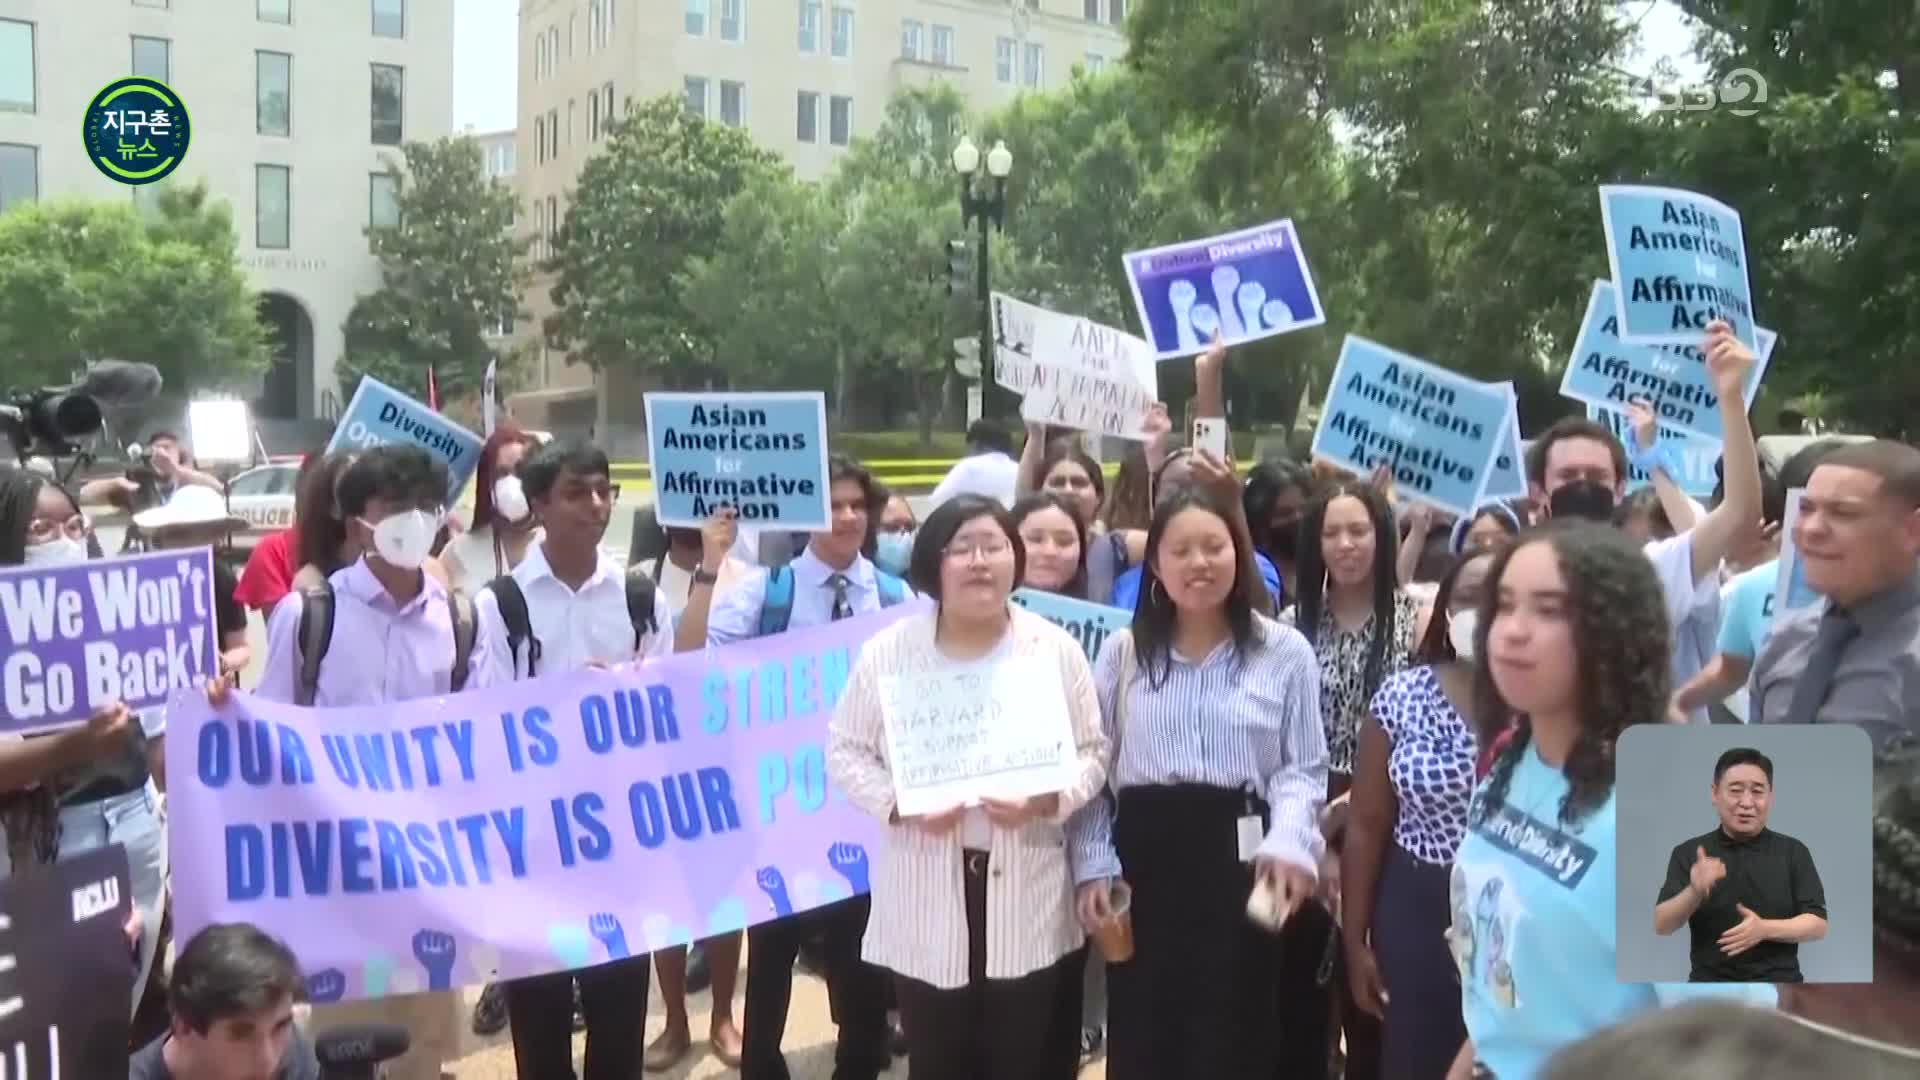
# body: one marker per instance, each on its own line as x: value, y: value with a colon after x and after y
x: 1695, y: 456
x: 1790, y: 589
x: 87, y: 634
x: 1507, y: 478
x: 1246, y: 285
x: 1089, y: 623
x: 1438, y: 430
x: 765, y: 455
x: 1609, y: 372
x: 1680, y: 261
x: 379, y: 415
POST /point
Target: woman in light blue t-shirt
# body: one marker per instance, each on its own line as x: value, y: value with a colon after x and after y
x: 1573, y: 648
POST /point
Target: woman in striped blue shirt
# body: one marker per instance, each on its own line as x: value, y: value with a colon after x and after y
x: 1218, y: 777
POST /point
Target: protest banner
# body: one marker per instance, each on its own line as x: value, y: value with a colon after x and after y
x: 995, y: 731
x: 1609, y: 372
x: 87, y: 634
x: 1073, y: 372
x: 1695, y: 456
x: 763, y: 454
x: 66, y: 968
x: 533, y: 827
x: 1790, y: 589
x: 1089, y: 623
x: 1679, y: 261
x: 1246, y: 285
x: 1439, y: 431
x: 379, y: 415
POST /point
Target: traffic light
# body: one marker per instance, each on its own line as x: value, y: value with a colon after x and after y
x: 957, y: 267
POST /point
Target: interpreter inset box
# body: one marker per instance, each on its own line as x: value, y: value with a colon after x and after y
x: 1745, y: 854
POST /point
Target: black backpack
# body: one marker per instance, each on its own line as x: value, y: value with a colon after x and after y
x: 316, y: 636
x: 513, y: 612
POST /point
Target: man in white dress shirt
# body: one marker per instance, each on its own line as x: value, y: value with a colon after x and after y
x: 829, y: 581
x: 575, y: 609
x: 988, y: 469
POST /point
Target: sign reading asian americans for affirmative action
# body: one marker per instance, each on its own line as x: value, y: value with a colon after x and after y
x: 1437, y: 430
x: 1679, y: 260
x: 765, y: 455
x: 85, y: 635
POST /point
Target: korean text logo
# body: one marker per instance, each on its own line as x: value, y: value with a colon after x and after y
x: 136, y: 130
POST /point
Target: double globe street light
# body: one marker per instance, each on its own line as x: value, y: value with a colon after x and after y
x: 986, y: 204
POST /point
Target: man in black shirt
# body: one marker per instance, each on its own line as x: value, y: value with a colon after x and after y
x: 1747, y: 895
x: 231, y: 999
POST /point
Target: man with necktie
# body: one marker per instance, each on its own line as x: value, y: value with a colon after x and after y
x: 1856, y: 658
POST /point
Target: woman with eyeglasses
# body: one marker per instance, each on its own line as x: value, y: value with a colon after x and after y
x: 88, y: 786
x: 972, y: 905
x: 1571, y: 649
x: 1218, y: 776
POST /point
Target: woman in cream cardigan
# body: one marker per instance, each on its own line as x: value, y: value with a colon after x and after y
x: 973, y: 906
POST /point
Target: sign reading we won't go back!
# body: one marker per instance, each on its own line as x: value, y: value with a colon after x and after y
x: 764, y: 455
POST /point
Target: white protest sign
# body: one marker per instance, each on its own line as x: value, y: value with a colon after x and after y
x: 999, y: 730
x: 1073, y: 372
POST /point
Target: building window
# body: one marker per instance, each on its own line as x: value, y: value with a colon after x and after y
x: 273, y: 93
x: 553, y: 133
x: 152, y: 58
x: 573, y: 34
x: 161, y: 4
x: 272, y: 199
x: 553, y: 221
x: 733, y: 20
x: 943, y: 45
x: 1096, y: 63
x: 593, y: 117
x: 572, y: 115
x: 594, y: 23
x: 842, y: 32
x: 910, y: 30
x: 1003, y: 60
x: 1093, y: 10
x: 733, y: 103
x: 383, y: 200
x: 1036, y: 64
x: 274, y: 11
x: 539, y: 57
x: 606, y: 107
x: 809, y: 26
x: 1116, y: 11
x: 16, y: 66
x: 697, y: 18
x: 389, y: 97
x: 539, y: 140
x: 20, y: 174
x: 553, y: 46
x: 390, y: 18
x: 697, y: 96
x: 807, y: 125
x: 840, y: 120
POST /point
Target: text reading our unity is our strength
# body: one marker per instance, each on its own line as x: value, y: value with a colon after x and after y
x: 734, y: 435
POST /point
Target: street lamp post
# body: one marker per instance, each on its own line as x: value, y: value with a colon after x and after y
x: 987, y: 205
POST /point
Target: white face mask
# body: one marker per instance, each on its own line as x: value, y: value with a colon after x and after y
x: 1460, y: 628
x: 510, y: 500
x: 404, y: 540
x: 58, y: 552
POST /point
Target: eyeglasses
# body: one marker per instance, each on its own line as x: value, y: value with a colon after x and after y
x: 41, y: 530
x: 990, y: 550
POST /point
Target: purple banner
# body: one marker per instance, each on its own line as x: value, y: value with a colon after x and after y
x: 534, y: 827
x: 87, y: 634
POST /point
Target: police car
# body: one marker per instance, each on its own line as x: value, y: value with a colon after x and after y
x: 263, y: 495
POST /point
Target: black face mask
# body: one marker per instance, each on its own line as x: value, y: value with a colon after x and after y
x: 1283, y: 541
x: 1582, y: 499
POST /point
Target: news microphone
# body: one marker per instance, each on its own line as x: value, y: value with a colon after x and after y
x: 353, y: 1052
x: 120, y: 384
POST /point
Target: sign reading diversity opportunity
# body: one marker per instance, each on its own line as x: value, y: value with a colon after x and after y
x: 1790, y: 589
x: 538, y: 826
x: 1073, y: 372
x: 379, y: 415
x: 1607, y: 372
x: 765, y: 455
x: 85, y: 635
x: 1437, y: 430
x: 999, y: 731
x: 1679, y: 261
x: 1244, y: 285
x: 66, y: 968
x: 1089, y: 623
x: 1696, y: 457
x: 1507, y: 476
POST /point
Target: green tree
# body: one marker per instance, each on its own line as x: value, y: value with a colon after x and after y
x: 649, y: 202
x: 449, y: 270
x: 85, y: 281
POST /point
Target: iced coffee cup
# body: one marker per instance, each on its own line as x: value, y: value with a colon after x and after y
x: 1114, y: 936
